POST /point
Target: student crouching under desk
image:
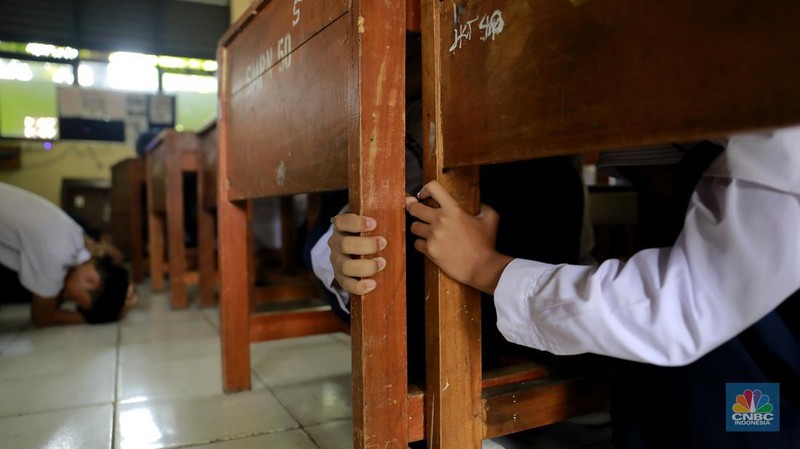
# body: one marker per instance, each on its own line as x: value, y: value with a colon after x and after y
x: 46, y: 258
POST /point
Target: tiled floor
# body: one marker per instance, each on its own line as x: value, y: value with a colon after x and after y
x: 153, y: 381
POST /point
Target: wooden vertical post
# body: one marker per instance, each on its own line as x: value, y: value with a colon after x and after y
x: 453, y: 408
x: 376, y: 101
x: 176, y: 246
x: 155, y: 223
x: 136, y: 178
x: 234, y: 264
x: 205, y: 244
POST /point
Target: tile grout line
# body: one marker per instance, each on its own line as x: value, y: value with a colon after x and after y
x: 115, y: 404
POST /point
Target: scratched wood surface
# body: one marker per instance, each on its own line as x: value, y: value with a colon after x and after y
x: 453, y: 413
x: 128, y: 212
x: 376, y: 132
x: 291, y: 88
x: 538, y: 78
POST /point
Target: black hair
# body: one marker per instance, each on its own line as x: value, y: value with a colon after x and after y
x: 109, y: 299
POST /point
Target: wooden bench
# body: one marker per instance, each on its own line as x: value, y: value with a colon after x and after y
x: 511, y: 80
x: 282, y: 285
x: 128, y: 213
x: 169, y: 156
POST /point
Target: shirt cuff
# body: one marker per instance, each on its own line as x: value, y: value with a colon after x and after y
x: 323, y: 270
x: 515, y: 304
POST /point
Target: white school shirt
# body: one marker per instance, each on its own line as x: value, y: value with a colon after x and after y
x: 737, y: 258
x: 38, y: 240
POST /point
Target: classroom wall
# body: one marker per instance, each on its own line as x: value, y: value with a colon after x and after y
x: 43, y: 170
x: 238, y: 7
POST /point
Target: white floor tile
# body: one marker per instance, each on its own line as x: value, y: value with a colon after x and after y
x: 63, y: 337
x: 196, y: 328
x: 173, y: 379
x: 212, y: 314
x: 169, y: 350
x: 77, y: 428
x: 318, y: 401
x: 300, y: 361
x: 184, y: 421
x: 333, y: 435
x: 57, y: 391
x: 86, y: 359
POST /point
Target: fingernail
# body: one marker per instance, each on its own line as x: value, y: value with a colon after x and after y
x: 381, y: 263
x: 410, y: 200
x: 381, y: 243
x: 370, y: 285
x: 370, y: 223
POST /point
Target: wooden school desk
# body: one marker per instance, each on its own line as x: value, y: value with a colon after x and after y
x: 169, y: 156
x: 508, y: 80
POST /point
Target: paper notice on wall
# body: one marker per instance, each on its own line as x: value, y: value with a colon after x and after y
x: 161, y: 110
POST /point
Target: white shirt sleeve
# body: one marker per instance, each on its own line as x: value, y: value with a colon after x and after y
x: 323, y: 270
x: 737, y: 258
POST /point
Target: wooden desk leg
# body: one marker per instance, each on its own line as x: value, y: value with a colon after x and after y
x: 155, y: 223
x: 453, y: 407
x: 205, y: 237
x: 205, y: 247
x: 376, y: 181
x: 137, y: 235
x: 235, y: 293
x: 175, y: 232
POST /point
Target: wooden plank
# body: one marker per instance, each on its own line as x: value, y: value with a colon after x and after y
x: 376, y: 147
x: 293, y: 119
x: 207, y: 170
x: 507, y: 376
x: 157, y: 179
x: 284, y: 293
x: 278, y: 325
x: 527, y: 405
x: 273, y: 31
x: 561, y: 77
x: 235, y: 270
x: 191, y: 277
x: 413, y: 16
x: 452, y: 311
x: 416, y: 413
x: 127, y: 210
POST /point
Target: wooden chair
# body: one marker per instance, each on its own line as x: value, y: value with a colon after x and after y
x: 127, y: 213
x: 284, y: 285
x: 511, y: 80
x: 169, y: 156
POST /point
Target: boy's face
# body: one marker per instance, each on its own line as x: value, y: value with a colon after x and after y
x: 81, y: 281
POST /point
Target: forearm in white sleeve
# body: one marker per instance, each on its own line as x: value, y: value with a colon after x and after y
x: 737, y: 258
x: 323, y: 270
